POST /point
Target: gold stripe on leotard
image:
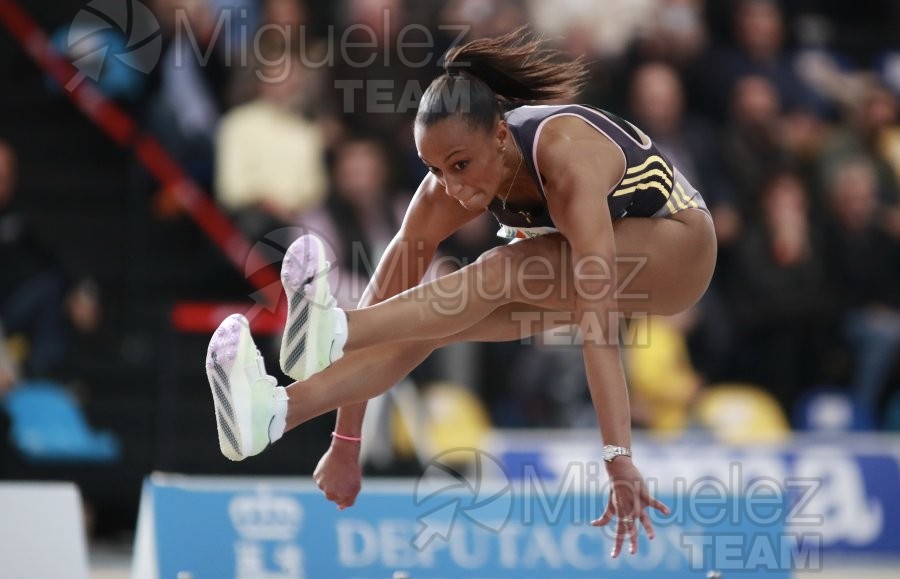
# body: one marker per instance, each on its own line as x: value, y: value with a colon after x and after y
x: 650, y: 159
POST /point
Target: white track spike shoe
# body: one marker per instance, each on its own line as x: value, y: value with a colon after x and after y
x: 250, y: 407
x: 316, y: 328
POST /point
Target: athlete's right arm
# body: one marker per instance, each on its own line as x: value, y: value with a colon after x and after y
x: 432, y: 216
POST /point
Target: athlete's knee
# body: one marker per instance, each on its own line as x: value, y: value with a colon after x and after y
x: 495, y: 274
x: 531, y: 271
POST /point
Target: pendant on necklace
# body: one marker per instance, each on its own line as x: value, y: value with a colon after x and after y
x: 526, y: 215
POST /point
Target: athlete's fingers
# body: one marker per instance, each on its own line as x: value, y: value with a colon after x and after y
x: 648, y: 526
x: 632, y: 530
x: 659, y: 505
x: 621, y: 531
x: 605, y: 518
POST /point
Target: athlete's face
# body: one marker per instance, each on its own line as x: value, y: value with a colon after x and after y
x: 469, y: 162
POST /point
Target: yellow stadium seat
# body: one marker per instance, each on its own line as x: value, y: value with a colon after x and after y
x: 739, y: 413
x: 450, y: 416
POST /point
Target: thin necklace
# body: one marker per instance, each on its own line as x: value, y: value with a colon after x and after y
x: 516, y: 174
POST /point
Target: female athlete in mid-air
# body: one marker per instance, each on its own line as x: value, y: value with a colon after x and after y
x: 605, y: 226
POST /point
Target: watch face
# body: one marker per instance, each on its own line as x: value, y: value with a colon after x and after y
x: 611, y: 452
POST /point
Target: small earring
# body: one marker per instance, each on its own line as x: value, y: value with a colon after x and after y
x: 503, y: 149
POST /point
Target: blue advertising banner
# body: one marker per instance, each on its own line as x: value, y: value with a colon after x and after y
x: 446, y: 526
x: 842, y: 489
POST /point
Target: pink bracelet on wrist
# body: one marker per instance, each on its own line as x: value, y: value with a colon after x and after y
x: 347, y: 438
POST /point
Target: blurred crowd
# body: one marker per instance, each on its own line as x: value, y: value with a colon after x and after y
x: 299, y: 113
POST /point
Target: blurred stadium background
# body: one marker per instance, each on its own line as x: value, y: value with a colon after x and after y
x: 134, y: 185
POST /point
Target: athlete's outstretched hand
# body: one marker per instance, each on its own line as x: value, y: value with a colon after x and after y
x: 628, y: 502
x: 338, y: 473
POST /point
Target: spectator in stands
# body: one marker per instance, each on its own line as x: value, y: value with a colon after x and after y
x: 777, y: 292
x: 657, y: 104
x: 194, y: 76
x: 270, y: 156
x: 802, y: 136
x: 369, y: 87
x: 751, y: 143
x: 283, y: 29
x: 39, y: 300
x: 759, y: 50
x: 675, y: 33
x: 864, y: 268
x: 871, y: 132
x: 377, y: 81
x: 360, y: 215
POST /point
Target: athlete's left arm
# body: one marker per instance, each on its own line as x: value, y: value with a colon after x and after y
x: 581, y: 166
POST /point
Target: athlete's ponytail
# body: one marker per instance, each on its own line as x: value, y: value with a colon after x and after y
x: 486, y: 76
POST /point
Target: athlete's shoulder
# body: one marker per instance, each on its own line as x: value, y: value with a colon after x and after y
x: 526, y: 113
x: 570, y: 132
x: 568, y: 144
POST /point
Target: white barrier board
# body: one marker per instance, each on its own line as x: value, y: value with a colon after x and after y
x: 42, y: 531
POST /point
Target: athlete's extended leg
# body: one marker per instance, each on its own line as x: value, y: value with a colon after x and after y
x: 662, y: 267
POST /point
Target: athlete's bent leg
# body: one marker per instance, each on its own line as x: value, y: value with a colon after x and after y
x: 364, y: 374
